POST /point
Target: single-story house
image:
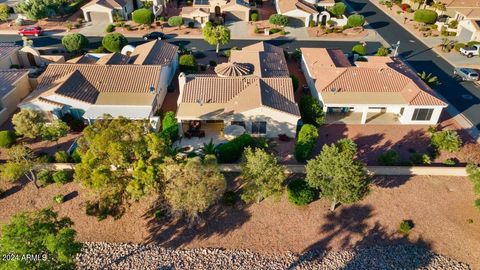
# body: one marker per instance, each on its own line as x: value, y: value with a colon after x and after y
x: 252, y: 90
x: 469, y: 29
x: 382, y: 90
x: 14, y: 86
x: 9, y: 55
x: 104, y: 10
x: 204, y: 10
x: 132, y: 86
x: 301, y: 12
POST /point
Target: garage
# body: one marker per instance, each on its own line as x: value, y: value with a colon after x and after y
x: 296, y: 22
x: 235, y: 15
x: 99, y: 16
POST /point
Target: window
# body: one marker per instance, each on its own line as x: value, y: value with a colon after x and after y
x: 259, y: 127
x: 422, y: 114
x: 238, y: 123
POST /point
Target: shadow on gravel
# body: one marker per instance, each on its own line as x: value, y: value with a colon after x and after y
x: 220, y: 219
x: 349, y: 222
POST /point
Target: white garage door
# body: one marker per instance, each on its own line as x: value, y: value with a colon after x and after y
x: 99, y: 17
x: 466, y: 34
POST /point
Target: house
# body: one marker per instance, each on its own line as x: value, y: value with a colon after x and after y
x: 301, y: 12
x: 252, y: 90
x: 203, y: 11
x: 469, y: 29
x: 105, y: 10
x: 132, y: 86
x: 14, y: 86
x: 9, y: 55
x: 467, y: 13
x: 382, y: 90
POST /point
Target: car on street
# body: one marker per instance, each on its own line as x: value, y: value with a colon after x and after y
x: 31, y: 31
x: 466, y: 74
x: 470, y: 51
x: 153, y: 36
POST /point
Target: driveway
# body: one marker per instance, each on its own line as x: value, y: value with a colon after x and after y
x: 94, y: 29
x: 238, y: 29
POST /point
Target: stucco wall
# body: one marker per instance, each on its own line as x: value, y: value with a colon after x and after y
x: 13, y: 98
x: 8, y: 61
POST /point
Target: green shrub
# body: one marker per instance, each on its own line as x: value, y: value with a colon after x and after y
x: 59, y: 198
x: 405, y: 226
x: 44, y: 178
x: 338, y: 9
x: 274, y: 30
x: 382, y: 51
x: 191, y: 24
x: 114, y: 42
x: 76, y: 158
x: 471, y: 43
x: 159, y: 214
x: 188, y: 63
x: 449, y: 162
x: 447, y: 140
x: 420, y: 159
x: 62, y: 177
x: 254, y: 17
x: 355, y: 20
x: 295, y: 82
x: 311, y: 111
x: 170, y: 126
x: 359, y: 49
x: 232, y: 151
x: 75, y: 42
x: 425, y: 16
x: 143, y: 16
x: 110, y: 28
x: 389, y: 158
x: 469, y: 221
x: 229, y: 198
x: 311, y: 23
x: 61, y: 157
x: 477, y: 203
x: 175, y: 21
x: 458, y: 46
x: 278, y: 19
x: 7, y: 138
x: 307, y: 138
x: 300, y: 193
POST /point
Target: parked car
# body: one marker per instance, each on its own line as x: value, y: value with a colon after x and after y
x: 153, y: 36
x: 31, y: 31
x: 470, y: 51
x: 466, y: 74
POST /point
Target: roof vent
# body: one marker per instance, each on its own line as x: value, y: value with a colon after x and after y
x: 334, y: 90
x: 200, y: 101
x: 151, y: 89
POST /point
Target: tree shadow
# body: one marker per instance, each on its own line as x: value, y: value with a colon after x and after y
x: 378, y: 248
x: 378, y: 25
x: 390, y: 181
x: 70, y: 196
x: 367, y: 13
x: 18, y: 186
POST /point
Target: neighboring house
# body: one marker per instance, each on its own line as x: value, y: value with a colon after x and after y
x: 467, y: 13
x: 204, y: 10
x: 302, y: 12
x: 133, y: 86
x: 104, y: 10
x: 14, y: 86
x: 9, y: 55
x: 469, y: 29
x: 252, y: 90
x: 383, y: 90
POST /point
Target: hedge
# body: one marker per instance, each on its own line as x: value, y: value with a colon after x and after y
x: 170, y: 126
x: 355, y: 20
x: 7, y: 138
x: 62, y: 177
x: 143, y: 16
x: 61, y: 156
x: 300, y: 193
x: 305, y: 142
x: 233, y: 150
x: 389, y: 158
x: 425, y: 16
x: 311, y: 111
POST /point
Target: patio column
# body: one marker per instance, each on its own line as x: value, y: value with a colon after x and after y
x: 364, y: 115
x: 180, y: 129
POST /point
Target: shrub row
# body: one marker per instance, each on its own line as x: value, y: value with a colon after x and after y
x: 233, y: 150
x: 306, y: 141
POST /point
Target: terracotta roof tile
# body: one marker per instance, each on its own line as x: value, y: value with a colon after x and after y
x: 8, y: 77
x: 156, y: 52
x: 7, y: 48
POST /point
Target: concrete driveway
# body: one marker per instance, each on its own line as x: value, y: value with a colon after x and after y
x: 94, y: 29
x: 238, y: 29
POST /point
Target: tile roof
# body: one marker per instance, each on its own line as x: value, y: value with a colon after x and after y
x: 108, y: 3
x: 113, y: 59
x: 7, y: 79
x: 157, y: 52
x: 267, y: 60
x: 7, y: 48
x: 381, y: 76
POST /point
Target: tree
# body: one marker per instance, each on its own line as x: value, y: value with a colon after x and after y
x: 193, y: 186
x: 419, y: 2
x: 114, y: 42
x: 7, y: 138
x: 40, y: 9
x: 429, y: 79
x: 382, y: 51
x: 4, y: 12
x: 216, y: 35
x: 74, y: 42
x: 338, y: 9
x: 29, y: 123
x: 359, y: 49
x: 425, y: 16
x: 337, y: 174
x: 170, y: 126
x: 355, y: 20
x: 143, y: 16
x: 278, y: 20
x: 187, y: 63
x: 306, y: 140
x: 175, y: 21
x: 21, y: 162
x: 311, y: 111
x: 262, y: 175
x: 40, y: 233
x: 54, y: 130
x: 447, y: 140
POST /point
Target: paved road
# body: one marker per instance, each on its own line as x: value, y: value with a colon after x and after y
x: 464, y: 96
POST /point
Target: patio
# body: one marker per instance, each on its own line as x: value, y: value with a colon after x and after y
x: 212, y: 131
x: 374, y: 118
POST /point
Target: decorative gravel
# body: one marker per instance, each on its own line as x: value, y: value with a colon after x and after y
x: 152, y: 256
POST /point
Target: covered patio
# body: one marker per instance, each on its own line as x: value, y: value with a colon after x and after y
x: 373, y: 118
x: 196, y: 133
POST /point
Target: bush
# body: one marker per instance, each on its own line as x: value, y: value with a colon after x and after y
x: 191, y: 24
x: 188, y: 63
x: 447, y: 140
x: 274, y: 30
x: 359, y: 49
x: 338, y: 9
x: 300, y: 193
x: 76, y: 158
x: 229, y: 198
x: 419, y: 159
x: 170, y: 126
x: 311, y: 111
x: 311, y: 23
x: 232, y: 151
x: 62, y: 177
x: 74, y: 42
x: 389, y: 158
x: 143, y: 16
x: 110, y: 28
x: 278, y: 19
x: 212, y: 63
x: 307, y: 138
x: 449, y: 162
x: 61, y: 157
x: 7, y: 138
x: 405, y: 226
x: 355, y: 20
x: 254, y: 17
x: 477, y: 203
x: 458, y: 46
x: 114, y: 42
x: 295, y: 82
x: 425, y: 16
x: 382, y: 51
x: 405, y: 7
x: 44, y: 178
x: 59, y: 198
x: 175, y: 21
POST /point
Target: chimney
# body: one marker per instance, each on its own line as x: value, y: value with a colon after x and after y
x: 182, y: 80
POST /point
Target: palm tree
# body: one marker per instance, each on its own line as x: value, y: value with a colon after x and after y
x: 429, y: 79
x: 437, y: 5
x: 209, y: 148
x: 419, y: 2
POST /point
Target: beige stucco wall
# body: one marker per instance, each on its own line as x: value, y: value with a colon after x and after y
x: 13, y: 98
x: 8, y: 61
